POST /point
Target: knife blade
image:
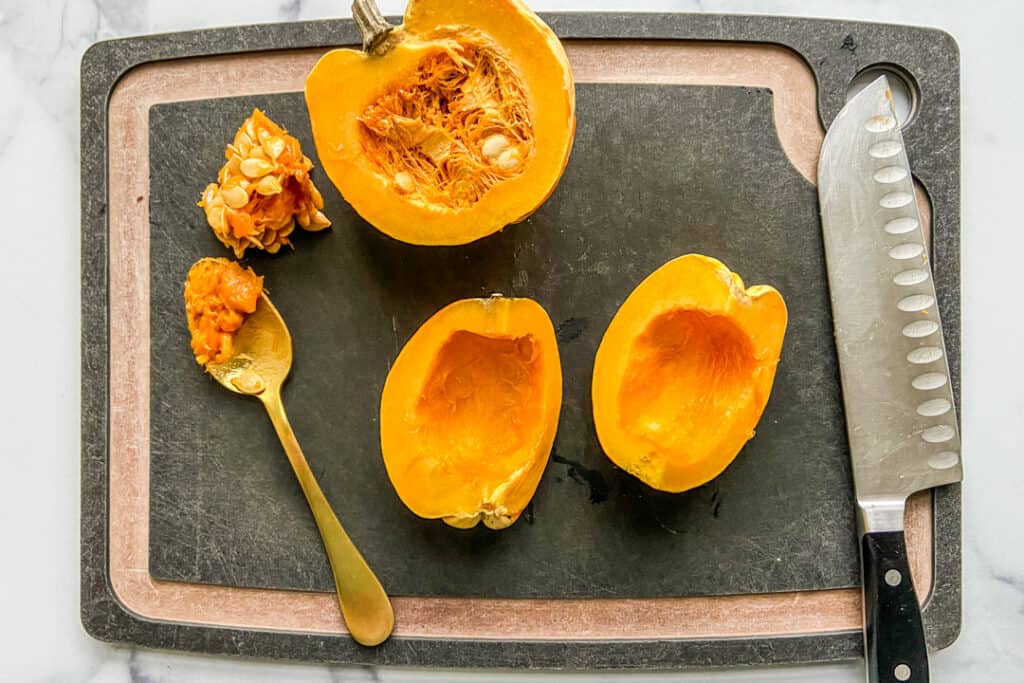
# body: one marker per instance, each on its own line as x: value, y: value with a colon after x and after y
x: 900, y: 413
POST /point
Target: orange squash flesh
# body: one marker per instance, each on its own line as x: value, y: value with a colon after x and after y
x: 684, y: 372
x: 469, y: 411
x: 463, y: 127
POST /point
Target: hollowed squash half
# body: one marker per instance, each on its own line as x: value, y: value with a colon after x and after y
x: 684, y: 371
x: 458, y: 123
x: 469, y: 411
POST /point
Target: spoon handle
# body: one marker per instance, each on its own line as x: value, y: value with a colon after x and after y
x: 364, y: 604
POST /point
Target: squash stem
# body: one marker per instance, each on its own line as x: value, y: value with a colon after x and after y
x: 372, y: 26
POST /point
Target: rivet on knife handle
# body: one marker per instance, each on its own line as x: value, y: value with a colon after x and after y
x: 894, y: 644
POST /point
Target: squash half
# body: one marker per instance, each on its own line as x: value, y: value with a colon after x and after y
x: 469, y: 411
x: 684, y: 371
x: 462, y: 125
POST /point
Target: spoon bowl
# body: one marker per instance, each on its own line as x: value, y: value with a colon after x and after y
x: 262, y: 353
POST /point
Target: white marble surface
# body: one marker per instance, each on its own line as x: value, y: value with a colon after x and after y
x: 40, y: 47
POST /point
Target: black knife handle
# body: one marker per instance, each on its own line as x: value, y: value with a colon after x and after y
x: 894, y: 644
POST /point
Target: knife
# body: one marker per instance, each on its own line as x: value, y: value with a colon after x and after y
x: 900, y: 414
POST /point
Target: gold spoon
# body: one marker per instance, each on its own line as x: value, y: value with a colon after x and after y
x: 259, y: 364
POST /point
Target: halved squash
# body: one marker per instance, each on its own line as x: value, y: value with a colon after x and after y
x: 469, y: 411
x: 684, y: 371
x: 450, y: 126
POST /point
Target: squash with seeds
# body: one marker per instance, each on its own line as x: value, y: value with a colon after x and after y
x: 450, y: 126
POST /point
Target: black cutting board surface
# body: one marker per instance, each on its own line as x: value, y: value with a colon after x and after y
x: 225, y: 508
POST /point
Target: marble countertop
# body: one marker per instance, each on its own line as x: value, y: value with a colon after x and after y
x: 41, y: 44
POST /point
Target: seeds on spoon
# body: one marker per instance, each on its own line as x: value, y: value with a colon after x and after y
x: 249, y: 382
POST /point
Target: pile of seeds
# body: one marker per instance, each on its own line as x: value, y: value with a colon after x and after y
x: 262, y: 190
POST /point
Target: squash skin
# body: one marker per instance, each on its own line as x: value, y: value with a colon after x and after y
x: 345, y: 82
x: 456, y: 458
x: 734, y: 338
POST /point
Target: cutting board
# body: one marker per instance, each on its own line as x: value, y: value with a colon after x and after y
x: 695, y: 134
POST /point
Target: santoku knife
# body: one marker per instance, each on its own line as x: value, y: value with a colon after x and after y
x: 900, y: 414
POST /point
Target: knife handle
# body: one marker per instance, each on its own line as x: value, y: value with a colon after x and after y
x: 894, y: 644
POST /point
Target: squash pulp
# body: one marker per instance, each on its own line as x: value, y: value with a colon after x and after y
x: 219, y: 295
